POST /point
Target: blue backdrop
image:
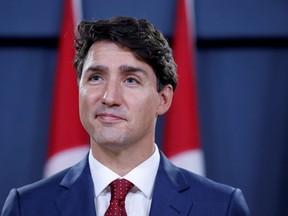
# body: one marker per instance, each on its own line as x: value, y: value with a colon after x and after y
x: 242, y: 61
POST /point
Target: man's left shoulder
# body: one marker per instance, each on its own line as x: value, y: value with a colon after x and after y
x: 213, y: 189
x: 218, y: 195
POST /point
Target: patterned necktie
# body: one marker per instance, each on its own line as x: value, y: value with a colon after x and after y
x: 119, y: 190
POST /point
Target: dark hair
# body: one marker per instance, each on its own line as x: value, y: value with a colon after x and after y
x: 142, y: 38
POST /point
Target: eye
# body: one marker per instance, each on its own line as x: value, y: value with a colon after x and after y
x: 94, y: 78
x: 131, y: 80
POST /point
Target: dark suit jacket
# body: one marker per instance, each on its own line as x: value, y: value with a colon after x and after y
x: 176, y: 192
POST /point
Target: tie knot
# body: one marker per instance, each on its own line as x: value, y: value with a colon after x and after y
x: 120, y: 188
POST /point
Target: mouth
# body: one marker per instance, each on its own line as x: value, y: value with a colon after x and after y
x: 109, y: 117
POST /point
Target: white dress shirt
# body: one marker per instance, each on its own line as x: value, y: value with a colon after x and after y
x: 138, y: 200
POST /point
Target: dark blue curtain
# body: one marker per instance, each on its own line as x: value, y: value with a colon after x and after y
x: 242, y: 61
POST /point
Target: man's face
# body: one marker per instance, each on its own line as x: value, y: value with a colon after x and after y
x: 118, y: 97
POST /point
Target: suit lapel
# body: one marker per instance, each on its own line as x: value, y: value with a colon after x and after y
x: 169, y: 195
x: 170, y: 191
x: 78, y: 192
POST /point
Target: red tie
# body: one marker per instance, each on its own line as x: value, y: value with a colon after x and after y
x: 119, y: 190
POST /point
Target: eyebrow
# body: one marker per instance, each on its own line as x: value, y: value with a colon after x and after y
x: 128, y: 68
x: 123, y: 68
x: 96, y: 68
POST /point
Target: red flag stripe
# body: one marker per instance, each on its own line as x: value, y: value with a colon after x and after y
x: 66, y: 130
x: 182, y: 124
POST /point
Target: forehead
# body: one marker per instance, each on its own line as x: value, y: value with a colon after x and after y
x: 111, y: 58
x: 109, y: 52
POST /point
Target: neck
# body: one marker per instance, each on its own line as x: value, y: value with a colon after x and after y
x: 122, y: 160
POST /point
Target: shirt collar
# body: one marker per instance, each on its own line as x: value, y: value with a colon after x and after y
x: 143, y: 176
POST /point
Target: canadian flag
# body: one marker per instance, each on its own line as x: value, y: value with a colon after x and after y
x: 181, y: 129
x: 68, y: 141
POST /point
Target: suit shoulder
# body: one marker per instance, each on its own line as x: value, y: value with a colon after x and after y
x: 212, y: 189
x: 50, y: 184
x: 207, y: 189
x: 34, y: 198
x: 222, y: 196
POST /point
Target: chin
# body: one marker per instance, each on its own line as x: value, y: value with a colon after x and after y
x: 112, y: 142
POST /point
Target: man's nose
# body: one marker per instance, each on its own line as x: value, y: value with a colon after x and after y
x: 112, y: 94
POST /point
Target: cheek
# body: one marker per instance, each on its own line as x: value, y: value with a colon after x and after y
x: 82, y: 99
x: 85, y: 102
x: 83, y: 110
x: 88, y: 96
x: 146, y: 107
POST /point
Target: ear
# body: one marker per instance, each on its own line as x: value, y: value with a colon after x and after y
x: 165, y: 99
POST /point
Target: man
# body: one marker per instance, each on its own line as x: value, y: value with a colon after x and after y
x: 126, y: 76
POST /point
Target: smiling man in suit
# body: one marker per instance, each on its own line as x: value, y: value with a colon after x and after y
x: 126, y: 76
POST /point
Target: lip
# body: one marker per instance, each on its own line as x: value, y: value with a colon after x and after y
x: 109, y: 117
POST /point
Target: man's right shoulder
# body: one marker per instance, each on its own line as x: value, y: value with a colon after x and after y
x: 37, y: 197
x: 40, y: 198
x: 49, y: 183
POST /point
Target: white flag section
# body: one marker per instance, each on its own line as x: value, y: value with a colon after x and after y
x: 191, y: 160
x: 64, y: 159
x: 181, y: 132
x: 68, y: 141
